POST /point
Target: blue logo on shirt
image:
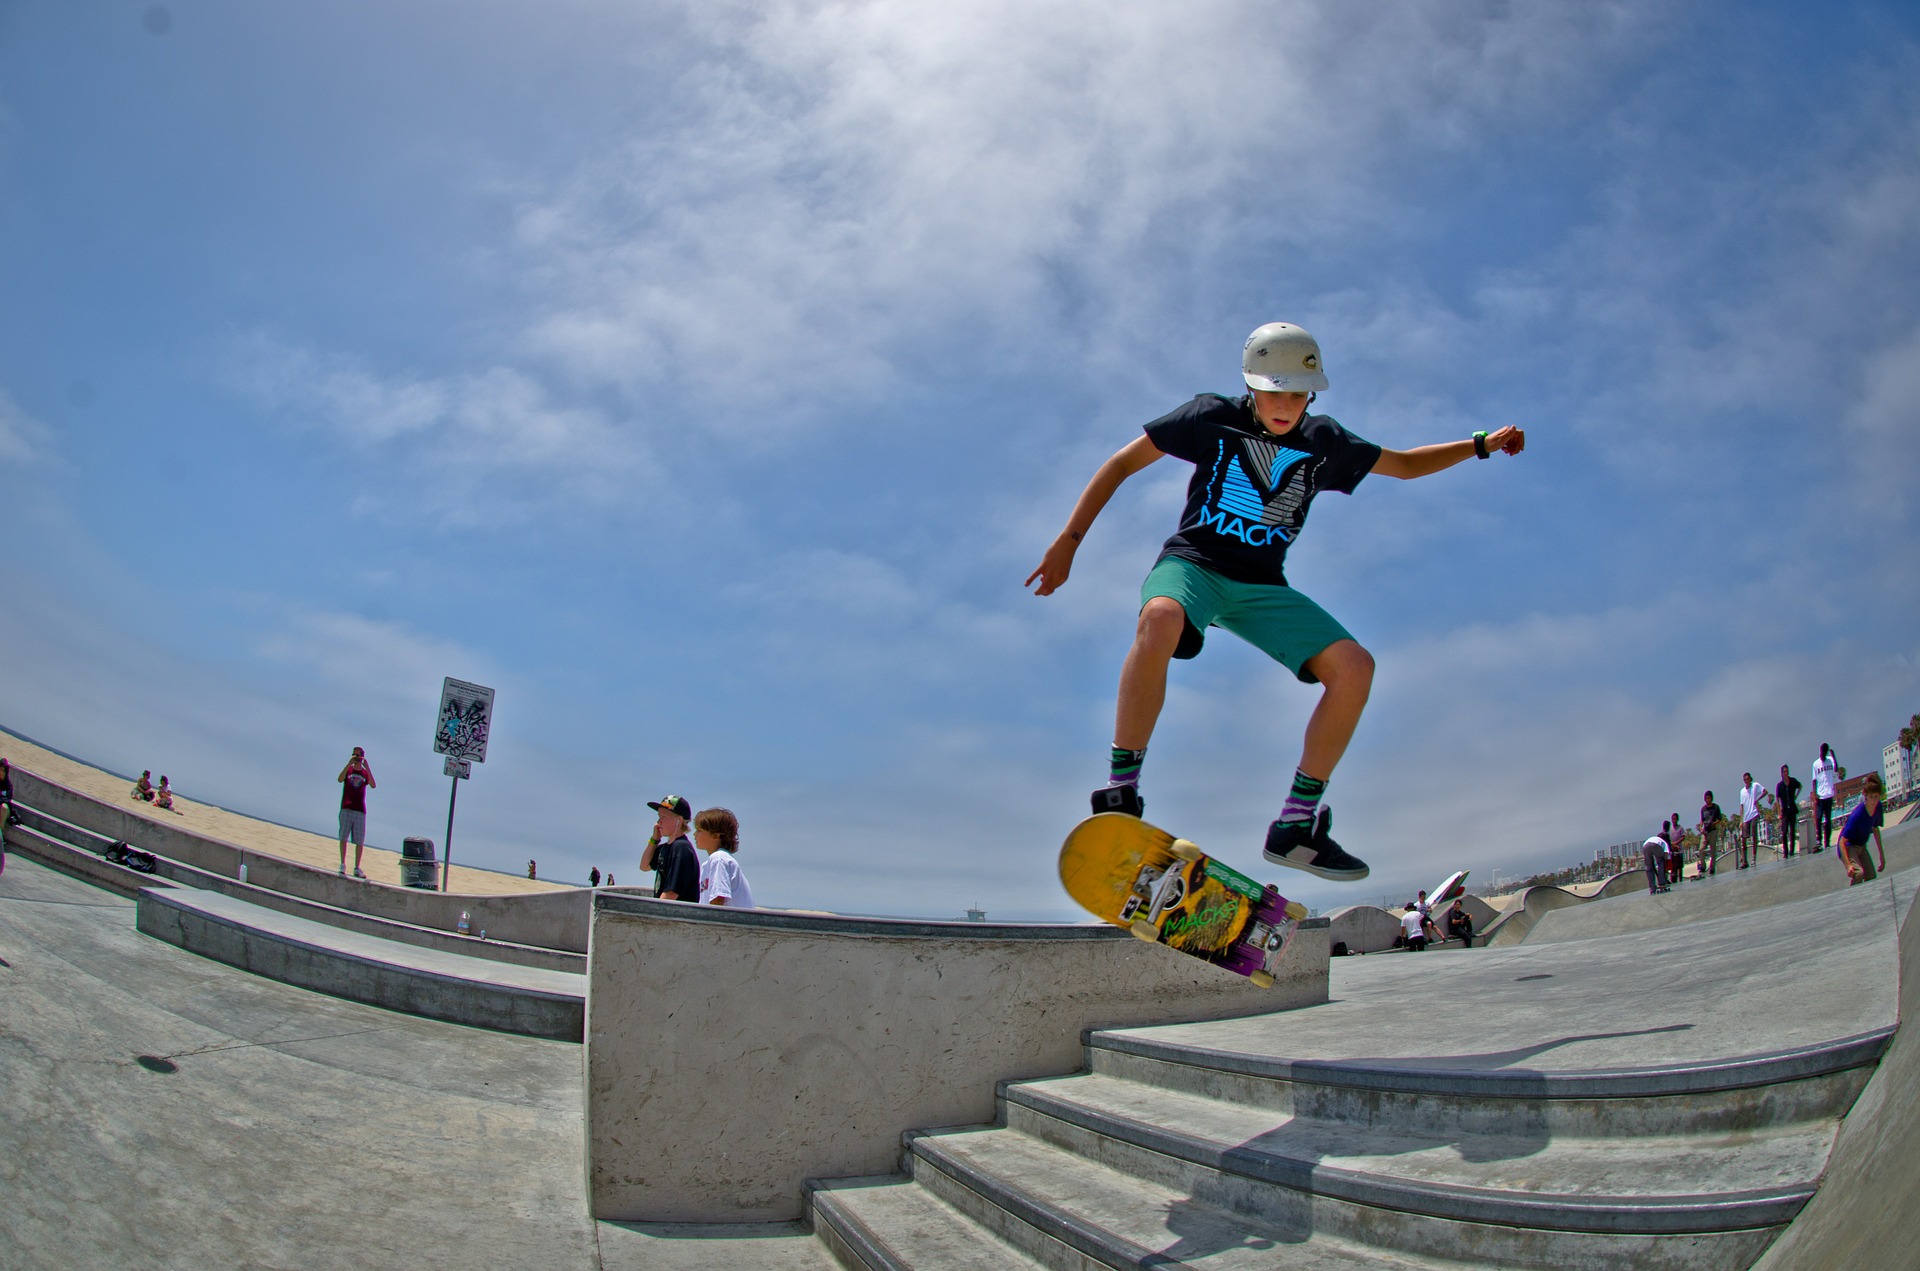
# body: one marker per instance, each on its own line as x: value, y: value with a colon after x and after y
x: 1239, y: 510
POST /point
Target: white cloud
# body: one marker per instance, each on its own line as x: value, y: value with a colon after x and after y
x: 470, y: 446
x: 857, y: 189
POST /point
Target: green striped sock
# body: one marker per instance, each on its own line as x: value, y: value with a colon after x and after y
x: 1126, y: 766
x: 1304, y: 800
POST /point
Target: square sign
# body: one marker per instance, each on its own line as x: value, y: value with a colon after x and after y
x: 466, y: 717
x: 461, y: 768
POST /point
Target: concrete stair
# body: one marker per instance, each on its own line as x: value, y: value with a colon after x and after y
x: 1602, y: 1127
x: 1161, y: 1161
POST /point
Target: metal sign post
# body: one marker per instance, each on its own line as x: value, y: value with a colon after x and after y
x: 466, y: 718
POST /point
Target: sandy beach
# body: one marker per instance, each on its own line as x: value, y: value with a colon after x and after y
x: 249, y: 832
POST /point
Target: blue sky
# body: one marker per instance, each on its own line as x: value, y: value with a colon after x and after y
x: 707, y: 377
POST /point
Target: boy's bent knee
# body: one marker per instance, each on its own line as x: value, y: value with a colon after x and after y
x: 1343, y: 665
x: 1162, y: 620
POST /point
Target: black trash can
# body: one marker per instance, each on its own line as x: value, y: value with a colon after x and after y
x: 417, y: 867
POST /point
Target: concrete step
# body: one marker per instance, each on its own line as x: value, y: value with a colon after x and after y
x: 364, y: 968
x: 77, y: 851
x: 1071, y: 1212
x: 1645, y: 1184
x: 1808, y: 1083
x: 1032, y: 1192
x: 887, y: 1223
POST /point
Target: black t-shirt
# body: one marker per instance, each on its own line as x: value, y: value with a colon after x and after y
x: 676, y: 868
x: 1250, y: 489
x: 1788, y: 792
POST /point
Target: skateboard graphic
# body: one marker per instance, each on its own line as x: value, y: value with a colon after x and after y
x: 1167, y: 891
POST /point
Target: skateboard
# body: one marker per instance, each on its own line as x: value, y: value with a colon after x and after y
x: 1165, y: 890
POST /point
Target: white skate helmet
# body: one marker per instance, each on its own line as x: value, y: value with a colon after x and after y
x: 1281, y: 358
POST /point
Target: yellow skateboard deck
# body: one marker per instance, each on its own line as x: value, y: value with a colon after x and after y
x: 1166, y: 890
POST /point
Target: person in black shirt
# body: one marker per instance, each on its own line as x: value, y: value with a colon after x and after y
x: 669, y: 853
x: 1258, y: 461
x: 1787, y: 795
x: 1712, y: 821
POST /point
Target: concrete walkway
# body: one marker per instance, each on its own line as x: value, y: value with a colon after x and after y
x: 160, y: 1110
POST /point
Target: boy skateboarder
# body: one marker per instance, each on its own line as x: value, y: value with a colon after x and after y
x: 1258, y: 461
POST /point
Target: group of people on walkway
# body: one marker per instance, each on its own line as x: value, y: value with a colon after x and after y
x: 701, y: 869
x: 1663, y: 854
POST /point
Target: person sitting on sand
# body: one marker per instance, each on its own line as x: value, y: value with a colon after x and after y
x: 163, y: 797
x: 143, y: 788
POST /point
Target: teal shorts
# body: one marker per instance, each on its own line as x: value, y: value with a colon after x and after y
x: 1277, y: 620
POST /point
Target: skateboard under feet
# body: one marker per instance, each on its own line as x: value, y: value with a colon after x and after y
x: 1165, y: 890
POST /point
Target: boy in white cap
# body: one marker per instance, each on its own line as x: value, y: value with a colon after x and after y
x: 1258, y: 460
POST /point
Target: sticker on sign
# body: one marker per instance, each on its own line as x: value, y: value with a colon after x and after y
x: 466, y: 717
x: 461, y: 768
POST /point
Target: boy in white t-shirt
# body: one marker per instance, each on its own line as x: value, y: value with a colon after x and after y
x: 1413, y: 927
x: 716, y: 832
x: 1749, y: 852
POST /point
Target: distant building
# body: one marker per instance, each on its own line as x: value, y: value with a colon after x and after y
x: 1896, y: 771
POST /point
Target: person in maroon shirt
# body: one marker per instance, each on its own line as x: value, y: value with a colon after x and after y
x: 355, y: 780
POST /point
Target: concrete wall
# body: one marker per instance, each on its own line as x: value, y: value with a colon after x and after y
x: 731, y: 1056
x: 550, y: 920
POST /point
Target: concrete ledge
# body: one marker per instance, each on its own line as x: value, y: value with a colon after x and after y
x: 803, y: 1046
x: 548, y: 920
x: 75, y: 851
x: 78, y: 863
x: 1738, y: 1073
x: 399, y: 977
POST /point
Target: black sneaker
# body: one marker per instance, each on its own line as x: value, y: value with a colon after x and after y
x: 1305, y: 845
x: 1118, y: 799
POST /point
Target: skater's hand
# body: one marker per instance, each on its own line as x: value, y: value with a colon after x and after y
x: 1508, y: 440
x: 1054, y: 566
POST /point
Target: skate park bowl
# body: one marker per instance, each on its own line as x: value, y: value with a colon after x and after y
x: 809, y: 1044
x: 1713, y: 1077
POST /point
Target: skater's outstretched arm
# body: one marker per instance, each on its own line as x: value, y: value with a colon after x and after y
x: 1424, y: 461
x: 1058, y: 562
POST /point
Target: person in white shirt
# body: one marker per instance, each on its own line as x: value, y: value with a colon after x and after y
x: 716, y: 832
x: 1653, y: 854
x: 1413, y: 925
x: 1749, y: 823
x: 1826, y: 777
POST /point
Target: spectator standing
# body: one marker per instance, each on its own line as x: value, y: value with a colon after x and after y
x: 355, y: 780
x: 669, y: 852
x: 1787, y: 796
x: 1749, y: 822
x: 533, y: 870
x: 1826, y: 776
x: 593, y: 876
x: 717, y: 831
x: 1864, y: 820
x: 1413, y: 928
x: 1653, y: 854
x: 1676, y: 853
x: 1712, y: 825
